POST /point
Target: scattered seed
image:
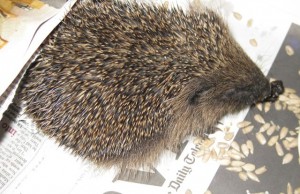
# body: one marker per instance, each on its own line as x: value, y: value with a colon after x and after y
x: 207, y: 192
x: 279, y: 149
x: 267, y: 106
x: 273, y: 140
x: 252, y: 176
x: 259, y: 105
x: 224, y: 162
x: 208, y: 142
x: 271, y: 130
x: 223, y: 145
x: 283, y: 132
x: 188, y: 191
x: 297, y: 191
x: 213, y: 154
x: 228, y: 136
x: 259, y: 119
x: 206, y: 157
x: 293, y: 143
x: 248, y: 129
x: 243, y: 124
x: 292, y: 133
x: 249, y: 22
x: 289, y: 91
x: 249, y: 167
x: 235, y: 146
x: 250, y: 146
x: 243, y: 176
x: 287, y: 158
x: 286, y: 144
x: 253, y: 42
x: 261, y: 138
x: 234, y: 168
x: 234, y: 156
x: 289, y: 50
x: 245, y: 149
x: 278, y: 105
x: 290, y: 139
x: 260, y: 170
x: 264, y: 127
x: 237, y: 163
x: 237, y: 15
x: 289, y: 189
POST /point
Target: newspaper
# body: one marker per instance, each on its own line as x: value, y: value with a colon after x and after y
x: 33, y: 163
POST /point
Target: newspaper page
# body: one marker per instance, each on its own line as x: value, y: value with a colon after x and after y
x: 33, y: 163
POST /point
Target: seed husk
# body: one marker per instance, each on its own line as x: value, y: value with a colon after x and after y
x: 283, y: 132
x: 250, y: 146
x: 273, y: 140
x: 253, y: 42
x: 228, y: 136
x: 248, y: 167
x: 289, y: 50
x: 234, y: 168
x: 264, y: 127
x: 267, y: 106
x: 245, y: 149
x: 260, y: 170
x: 252, y: 176
x: 259, y: 119
x: 243, y: 176
x: 243, y: 124
x: 248, y: 129
x: 287, y: 158
x: 235, y: 146
x: 279, y: 149
x: 237, y: 15
x: 261, y: 138
x: 289, y: 189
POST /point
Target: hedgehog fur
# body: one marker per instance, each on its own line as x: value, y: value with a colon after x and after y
x: 118, y: 83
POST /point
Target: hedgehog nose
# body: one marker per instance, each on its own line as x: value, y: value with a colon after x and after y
x: 276, y: 88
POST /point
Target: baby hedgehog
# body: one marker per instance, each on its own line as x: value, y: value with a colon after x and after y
x: 118, y: 83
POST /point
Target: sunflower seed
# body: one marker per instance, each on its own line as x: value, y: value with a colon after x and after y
x: 271, y: 130
x: 261, y: 138
x: 235, y: 146
x: 237, y: 15
x: 259, y: 106
x: 278, y: 105
x: 252, y: 176
x: 260, y: 170
x: 249, y: 22
x: 224, y: 162
x: 250, y: 146
x: 289, y: 50
x: 234, y: 169
x: 286, y: 144
x: 259, y: 119
x: 267, y: 106
x: 208, y: 142
x: 289, y: 189
x: 289, y: 91
x: 248, y: 129
x: 245, y: 149
x: 287, y: 158
x: 248, y: 167
x: 273, y: 140
x: 243, y: 176
x: 283, y: 132
x: 264, y: 127
x: 297, y: 191
x: 293, y: 143
x: 237, y: 163
x: 279, y: 149
x: 243, y: 124
x: 228, y: 136
x: 253, y: 42
x: 292, y: 133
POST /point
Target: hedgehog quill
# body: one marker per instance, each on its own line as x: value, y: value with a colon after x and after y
x: 118, y: 83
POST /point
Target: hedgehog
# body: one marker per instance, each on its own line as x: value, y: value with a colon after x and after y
x: 118, y: 83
